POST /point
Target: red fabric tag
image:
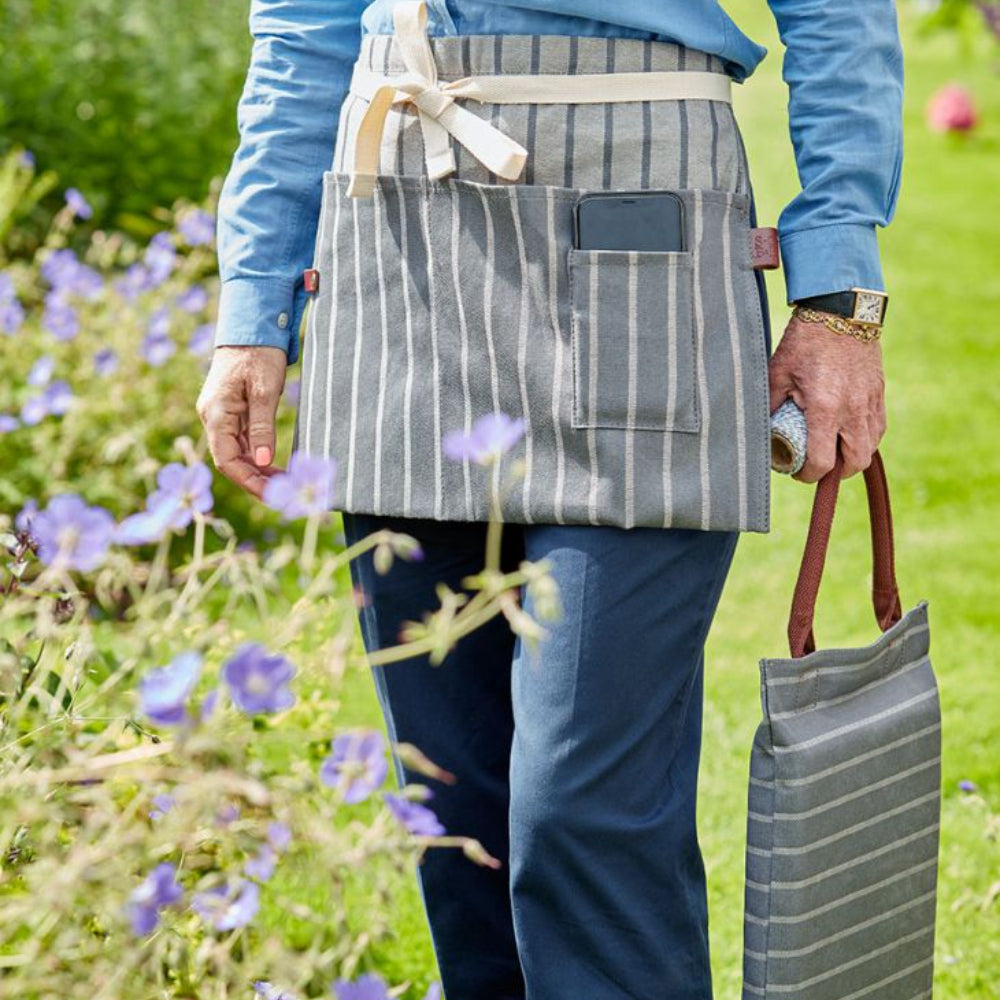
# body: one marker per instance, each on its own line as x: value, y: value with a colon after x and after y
x: 764, y: 252
x: 310, y: 279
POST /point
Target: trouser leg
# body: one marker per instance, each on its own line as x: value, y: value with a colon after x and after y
x: 607, y: 879
x: 459, y: 715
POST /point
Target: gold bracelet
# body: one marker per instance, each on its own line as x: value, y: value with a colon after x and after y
x: 839, y: 324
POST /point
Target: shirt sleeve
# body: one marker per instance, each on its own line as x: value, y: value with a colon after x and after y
x: 300, y: 68
x: 844, y: 68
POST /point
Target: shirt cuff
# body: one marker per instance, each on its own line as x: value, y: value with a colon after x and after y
x: 830, y: 259
x: 259, y: 312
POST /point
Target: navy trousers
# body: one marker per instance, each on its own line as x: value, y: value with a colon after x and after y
x: 576, y: 766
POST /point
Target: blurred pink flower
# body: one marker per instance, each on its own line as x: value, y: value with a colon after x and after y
x: 951, y: 109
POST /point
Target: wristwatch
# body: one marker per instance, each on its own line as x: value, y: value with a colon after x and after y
x: 864, y: 306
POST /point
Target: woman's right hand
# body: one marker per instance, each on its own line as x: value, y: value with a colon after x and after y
x: 237, y: 406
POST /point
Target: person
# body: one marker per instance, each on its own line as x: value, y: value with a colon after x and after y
x: 577, y: 769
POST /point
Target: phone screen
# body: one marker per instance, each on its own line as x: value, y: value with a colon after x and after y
x: 641, y: 220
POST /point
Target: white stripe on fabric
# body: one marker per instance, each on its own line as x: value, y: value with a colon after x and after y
x: 846, y: 932
x: 404, y: 267
x: 853, y: 963
x: 857, y: 894
x: 668, y: 438
x: 857, y: 828
x: 847, y: 668
x: 435, y: 360
x: 860, y: 792
x: 841, y: 730
x: 734, y: 341
x: 352, y: 429
x: 333, y: 326
x: 850, y: 761
x: 633, y: 377
x: 557, y: 368
x: 592, y: 347
x: 383, y: 369
x: 706, y: 499
x: 839, y: 699
x: 463, y: 329
x: 522, y: 353
x: 488, y: 299
x: 306, y: 405
x: 854, y: 862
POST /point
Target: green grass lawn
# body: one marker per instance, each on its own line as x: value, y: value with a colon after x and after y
x: 940, y: 259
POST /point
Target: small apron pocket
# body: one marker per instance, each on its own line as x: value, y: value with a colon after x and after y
x: 633, y: 340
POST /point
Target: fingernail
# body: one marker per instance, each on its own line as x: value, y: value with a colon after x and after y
x: 262, y: 456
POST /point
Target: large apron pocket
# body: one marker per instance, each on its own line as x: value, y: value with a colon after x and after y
x: 440, y: 301
x: 633, y: 340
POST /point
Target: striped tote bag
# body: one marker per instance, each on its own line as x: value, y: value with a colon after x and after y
x: 844, y: 797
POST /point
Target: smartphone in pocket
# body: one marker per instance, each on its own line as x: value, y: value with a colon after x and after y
x: 638, y: 220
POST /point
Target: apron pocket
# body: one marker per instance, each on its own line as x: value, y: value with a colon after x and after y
x: 633, y: 340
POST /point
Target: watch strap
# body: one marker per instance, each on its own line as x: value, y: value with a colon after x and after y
x: 838, y: 303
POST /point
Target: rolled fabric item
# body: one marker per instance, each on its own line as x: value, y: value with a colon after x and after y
x: 788, y: 438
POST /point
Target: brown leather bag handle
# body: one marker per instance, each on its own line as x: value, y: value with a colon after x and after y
x: 885, y: 591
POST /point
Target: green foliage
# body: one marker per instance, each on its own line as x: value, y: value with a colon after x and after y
x: 131, y: 101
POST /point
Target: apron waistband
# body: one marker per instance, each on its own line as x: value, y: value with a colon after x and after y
x: 442, y: 118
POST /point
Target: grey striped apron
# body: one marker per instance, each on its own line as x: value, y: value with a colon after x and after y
x: 641, y: 376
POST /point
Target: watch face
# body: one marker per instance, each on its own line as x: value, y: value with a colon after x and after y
x: 868, y: 307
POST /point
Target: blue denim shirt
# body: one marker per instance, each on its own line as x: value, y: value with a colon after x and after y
x: 843, y: 66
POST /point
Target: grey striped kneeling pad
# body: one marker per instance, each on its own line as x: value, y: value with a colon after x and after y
x: 843, y: 828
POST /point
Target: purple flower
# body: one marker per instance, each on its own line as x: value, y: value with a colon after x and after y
x: 158, y: 891
x: 183, y: 491
x: 105, y: 361
x: 415, y: 817
x: 197, y: 227
x: 266, y: 991
x: 41, y: 371
x: 208, y: 705
x: 34, y: 410
x: 305, y: 489
x: 261, y: 865
x: 258, y: 680
x: 78, y: 204
x: 8, y: 423
x: 492, y: 435
x: 229, y: 813
x: 357, y: 764
x: 203, y: 339
x: 68, y: 275
x: 293, y: 389
x: 146, y: 526
x: 58, y: 396
x: 11, y: 317
x: 60, y: 318
x: 193, y: 299
x: 160, y: 258
x: 190, y: 485
x: 433, y: 992
x: 27, y: 159
x: 370, y: 986
x: 72, y: 535
x: 968, y: 786
x: 134, y: 282
x: 11, y: 311
x: 163, y: 693
x: 228, y: 907
x: 279, y: 836
x: 157, y: 346
x: 162, y: 804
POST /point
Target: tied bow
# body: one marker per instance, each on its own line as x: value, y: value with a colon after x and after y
x: 440, y: 117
